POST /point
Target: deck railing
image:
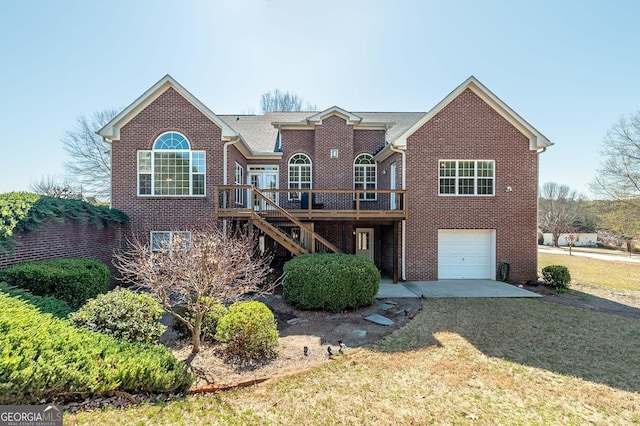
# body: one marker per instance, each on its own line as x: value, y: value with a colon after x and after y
x: 239, y: 200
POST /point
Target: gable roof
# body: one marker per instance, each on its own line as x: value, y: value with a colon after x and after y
x: 260, y: 132
x: 111, y: 130
x: 257, y: 130
x: 334, y: 110
x: 537, y: 140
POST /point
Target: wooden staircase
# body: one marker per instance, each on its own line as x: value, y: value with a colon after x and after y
x: 285, y: 229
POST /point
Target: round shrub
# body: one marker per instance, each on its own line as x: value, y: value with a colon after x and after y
x: 333, y: 282
x: 557, y: 276
x: 250, y: 331
x: 209, y: 323
x: 123, y: 314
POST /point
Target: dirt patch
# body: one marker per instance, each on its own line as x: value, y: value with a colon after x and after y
x: 624, y: 303
x: 315, y: 330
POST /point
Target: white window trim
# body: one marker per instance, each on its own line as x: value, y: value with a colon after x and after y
x: 375, y: 174
x: 475, y: 179
x: 238, y: 180
x: 300, y: 189
x: 152, y: 173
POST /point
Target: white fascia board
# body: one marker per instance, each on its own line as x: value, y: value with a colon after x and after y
x: 291, y: 126
x: 112, y: 129
x: 311, y: 125
x: 335, y: 110
x: 386, y: 152
x: 536, y: 139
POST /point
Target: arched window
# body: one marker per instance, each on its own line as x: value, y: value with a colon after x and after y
x: 299, y: 174
x: 171, y: 168
x: 364, y: 176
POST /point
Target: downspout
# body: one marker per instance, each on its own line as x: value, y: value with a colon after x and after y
x: 540, y: 151
x: 403, y: 153
x: 225, y: 160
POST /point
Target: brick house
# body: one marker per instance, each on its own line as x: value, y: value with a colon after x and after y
x: 447, y: 194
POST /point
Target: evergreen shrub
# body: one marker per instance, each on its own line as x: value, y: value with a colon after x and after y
x: 557, y: 276
x: 46, y: 305
x: 124, y: 314
x: 209, y: 323
x: 333, y: 282
x: 73, y: 280
x: 43, y: 357
x: 250, y: 331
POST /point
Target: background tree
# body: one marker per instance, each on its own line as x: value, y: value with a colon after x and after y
x: 616, y: 217
x: 276, y: 100
x: 189, y: 272
x: 90, y: 155
x: 618, y: 177
x: 559, y: 208
x: 53, y: 186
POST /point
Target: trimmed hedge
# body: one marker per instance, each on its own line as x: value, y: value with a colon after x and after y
x: 44, y: 357
x: 123, y: 314
x: 333, y: 282
x: 250, y: 331
x: 46, y: 305
x: 73, y: 280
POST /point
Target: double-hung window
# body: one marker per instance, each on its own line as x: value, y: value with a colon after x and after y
x: 299, y: 174
x: 364, y: 176
x: 171, y: 168
x: 467, y: 177
x: 170, y: 240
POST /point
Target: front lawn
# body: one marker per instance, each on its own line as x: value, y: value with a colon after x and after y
x: 606, y: 273
x: 460, y: 361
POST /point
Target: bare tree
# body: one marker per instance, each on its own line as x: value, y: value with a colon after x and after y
x: 559, y: 207
x: 53, y: 186
x: 90, y: 155
x: 572, y: 236
x: 619, y: 174
x: 195, y: 266
x: 276, y: 100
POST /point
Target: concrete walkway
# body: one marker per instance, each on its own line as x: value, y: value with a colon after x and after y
x: 450, y: 288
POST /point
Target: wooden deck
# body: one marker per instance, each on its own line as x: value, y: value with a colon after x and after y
x: 240, y: 201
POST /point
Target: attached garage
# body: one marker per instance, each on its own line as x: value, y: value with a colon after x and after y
x: 467, y: 254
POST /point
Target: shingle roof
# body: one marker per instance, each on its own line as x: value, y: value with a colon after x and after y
x: 261, y: 135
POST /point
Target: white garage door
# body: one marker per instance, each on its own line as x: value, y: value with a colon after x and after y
x: 466, y: 254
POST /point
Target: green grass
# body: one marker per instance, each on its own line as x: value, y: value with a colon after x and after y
x: 606, y: 273
x: 459, y: 361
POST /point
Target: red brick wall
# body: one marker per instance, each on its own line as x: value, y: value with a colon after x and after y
x: 66, y: 239
x: 333, y: 173
x: 333, y: 133
x: 469, y: 129
x: 170, y: 112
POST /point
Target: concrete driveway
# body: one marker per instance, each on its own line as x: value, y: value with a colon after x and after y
x: 451, y: 288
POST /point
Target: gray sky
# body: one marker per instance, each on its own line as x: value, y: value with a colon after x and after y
x: 570, y: 68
